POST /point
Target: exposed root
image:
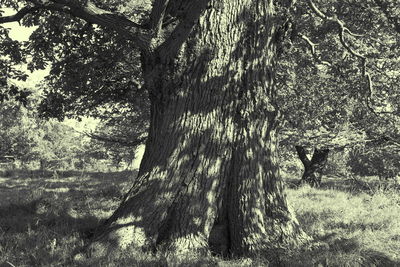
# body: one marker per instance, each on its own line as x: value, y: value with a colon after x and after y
x: 185, y: 245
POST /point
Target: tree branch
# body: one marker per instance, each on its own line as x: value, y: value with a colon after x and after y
x: 19, y: 15
x: 92, y: 14
x: 342, y: 31
x: 323, y: 16
x: 316, y: 10
x: 133, y: 143
x: 116, y: 22
x: 178, y: 36
x: 157, y: 15
x: 312, y: 49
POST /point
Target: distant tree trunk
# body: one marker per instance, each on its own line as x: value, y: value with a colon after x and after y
x: 313, y: 168
x: 209, y: 175
x: 43, y: 164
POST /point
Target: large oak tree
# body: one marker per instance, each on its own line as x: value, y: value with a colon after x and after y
x: 209, y: 171
x: 209, y: 176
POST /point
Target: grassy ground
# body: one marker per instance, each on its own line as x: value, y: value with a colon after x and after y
x: 45, y: 217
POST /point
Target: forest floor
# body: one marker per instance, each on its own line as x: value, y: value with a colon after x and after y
x: 44, y: 218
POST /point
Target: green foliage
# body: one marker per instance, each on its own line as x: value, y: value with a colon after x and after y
x: 120, y: 136
x: 17, y: 130
x: 337, y: 164
x: 380, y: 154
x: 289, y: 162
x: 93, y: 71
x: 31, y: 139
x: 382, y: 161
x: 12, y: 55
x: 91, y: 68
x: 319, y: 100
x: 58, y: 145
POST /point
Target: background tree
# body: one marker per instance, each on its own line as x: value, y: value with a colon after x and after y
x: 57, y: 145
x: 121, y: 135
x: 30, y: 139
x: 17, y: 130
x: 319, y: 106
x: 317, y: 110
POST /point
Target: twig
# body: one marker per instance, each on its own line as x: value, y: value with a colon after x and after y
x: 9, y: 263
x: 312, y: 48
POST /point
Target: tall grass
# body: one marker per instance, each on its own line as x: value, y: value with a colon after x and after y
x: 45, y: 220
x: 349, y: 228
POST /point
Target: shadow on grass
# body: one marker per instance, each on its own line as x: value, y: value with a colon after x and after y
x: 15, y: 189
x: 331, y: 250
x: 40, y: 174
x: 38, y: 233
x: 30, y: 224
x: 355, y: 185
x: 43, y: 221
x: 39, y: 213
x: 41, y: 232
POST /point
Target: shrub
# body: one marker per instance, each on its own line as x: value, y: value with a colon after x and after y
x: 289, y: 162
x: 337, y: 163
x: 380, y: 161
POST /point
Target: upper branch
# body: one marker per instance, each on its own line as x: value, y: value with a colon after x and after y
x: 178, y: 36
x: 107, y: 19
x: 157, y: 15
x: 323, y: 16
x: 312, y: 45
x: 19, y: 15
x: 92, y: 14
x: 342, y: 31
x: 334, y: 19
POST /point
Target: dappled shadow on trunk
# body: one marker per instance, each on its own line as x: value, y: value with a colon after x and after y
x: 209, y: 173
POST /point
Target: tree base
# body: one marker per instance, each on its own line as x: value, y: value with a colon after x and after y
x: 311, y: 180
x: 281, y: 236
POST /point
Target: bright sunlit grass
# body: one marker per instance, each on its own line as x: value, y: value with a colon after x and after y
x: 350, y: 229
x: 45, y: 220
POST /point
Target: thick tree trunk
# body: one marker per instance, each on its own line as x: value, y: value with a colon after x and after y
x: 209, y: 176
x: 313, y: 168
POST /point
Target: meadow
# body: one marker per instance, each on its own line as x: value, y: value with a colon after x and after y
x: 46, y: 217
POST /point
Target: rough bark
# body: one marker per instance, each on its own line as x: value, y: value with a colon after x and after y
x: 313, y: 168
x: 209, y: 177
